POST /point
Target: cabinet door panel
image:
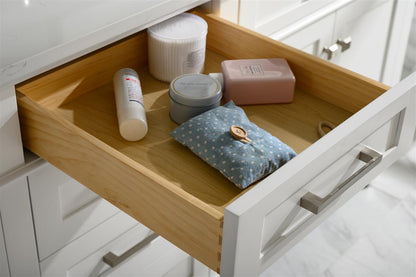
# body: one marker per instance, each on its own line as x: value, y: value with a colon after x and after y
x: 18, y: 230
x: 268, y: 17
x: 367, y: 23
x: 153, y: 259
x: 62, y: 262
x: 313, y: 38
x: 63, y: 209
x: 10, y: 140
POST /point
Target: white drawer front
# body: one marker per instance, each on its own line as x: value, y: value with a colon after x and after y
x: 267, y: 17
x: 18, y: 233
x: 77, y: 251
x: 269, y: 219
x: 282, y: 223
x: 152, y: 259
x: 63, y: 209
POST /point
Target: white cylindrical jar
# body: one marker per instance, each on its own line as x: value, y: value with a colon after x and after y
x: 177, y: 46
x: 129, y: 102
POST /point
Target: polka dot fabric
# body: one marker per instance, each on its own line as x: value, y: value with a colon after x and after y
x: 208, y: 136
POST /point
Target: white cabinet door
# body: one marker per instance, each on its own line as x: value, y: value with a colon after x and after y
x: 4, y: 265
x: 367, y: 24
x: 18, y: 230
x: 63, y: 209
x: 267, y: 17
x: 313, y: 38
x: 67, y: 259
x: 268, y: 220
x: 153, y: 259
x: 398, y: 41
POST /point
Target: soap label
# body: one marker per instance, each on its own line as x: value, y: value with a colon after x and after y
x: 134, y: 89
x: 251, y: 70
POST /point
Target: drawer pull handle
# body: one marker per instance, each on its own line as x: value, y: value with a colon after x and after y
x: 315, y: 204
x: 113, y: 260
x: 330, y: 51
x: 344, y: 43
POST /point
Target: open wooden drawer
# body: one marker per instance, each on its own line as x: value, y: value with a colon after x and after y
x: 68, y: 117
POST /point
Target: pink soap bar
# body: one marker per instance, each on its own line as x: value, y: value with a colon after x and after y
x: 258, y: 81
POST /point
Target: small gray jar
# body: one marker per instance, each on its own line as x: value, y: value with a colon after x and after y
x: 193, y: 94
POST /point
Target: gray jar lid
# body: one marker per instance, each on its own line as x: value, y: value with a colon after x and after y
x: 195, y: 90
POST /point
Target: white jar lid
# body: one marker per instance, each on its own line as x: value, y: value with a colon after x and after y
x: 184, y: 26
x: 196, y: 90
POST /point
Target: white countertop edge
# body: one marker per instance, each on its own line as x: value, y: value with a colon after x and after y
x: 51, y: 58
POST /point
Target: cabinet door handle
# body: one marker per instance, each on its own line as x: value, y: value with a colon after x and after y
x: 344, y: 43
x: 113, y: 260
x: 315, y: 204
x: 330, y: 50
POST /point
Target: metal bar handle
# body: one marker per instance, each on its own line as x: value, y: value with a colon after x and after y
x: 345, y: 43
x: 113, y: 260
x: 315, y: 204
x: 330, y: 50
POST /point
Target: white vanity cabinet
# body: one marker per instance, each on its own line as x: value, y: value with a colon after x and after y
x: 169, y: 190
x: 103, y: 195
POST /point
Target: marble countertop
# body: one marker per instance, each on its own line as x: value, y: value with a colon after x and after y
x: 38, y: 35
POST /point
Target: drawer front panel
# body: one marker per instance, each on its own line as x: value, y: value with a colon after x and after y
x: 282, y: 222
x: 267, y: 224
x: 307, y: 40
x: 153, y: 259
x: 63, y: 209
x: 78, y: 250
x: 267, y: 17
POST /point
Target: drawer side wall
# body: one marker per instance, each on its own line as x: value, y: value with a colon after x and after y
x: 316, y: 76
x: 63, y: 84
x: 183, y: 220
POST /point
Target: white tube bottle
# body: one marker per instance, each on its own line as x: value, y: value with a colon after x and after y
x: 129, y: 102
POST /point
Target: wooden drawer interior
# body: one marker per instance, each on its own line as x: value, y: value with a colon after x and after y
x: 68, y: 117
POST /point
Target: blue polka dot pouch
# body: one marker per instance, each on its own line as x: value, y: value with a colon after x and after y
x: 226, y: 139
